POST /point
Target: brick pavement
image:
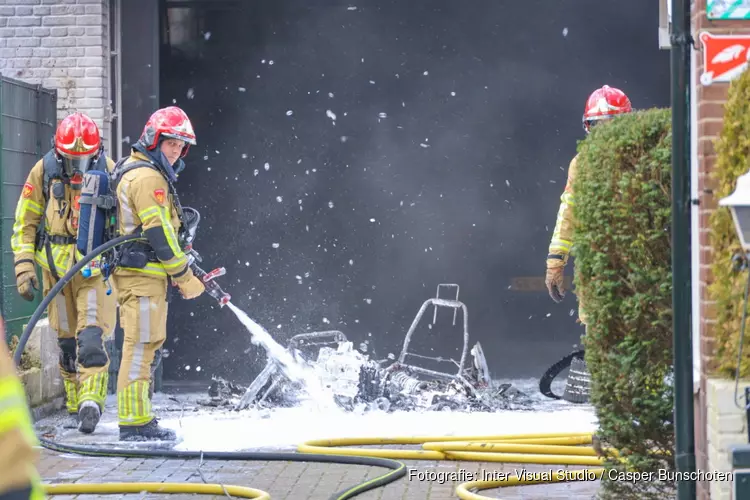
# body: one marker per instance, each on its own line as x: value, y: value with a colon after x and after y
x: 292, y: 480
x: 282, y: 480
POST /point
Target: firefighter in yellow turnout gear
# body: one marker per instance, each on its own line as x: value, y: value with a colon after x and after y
x: 603, y: 104
x: 46, y: 223
x: 147, y: 203
x: 562, y: 238
x: 19, y: 479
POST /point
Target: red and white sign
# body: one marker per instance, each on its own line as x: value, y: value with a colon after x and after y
x: 725, y: 57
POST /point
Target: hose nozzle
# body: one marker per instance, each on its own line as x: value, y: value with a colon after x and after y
x: 213, y: 288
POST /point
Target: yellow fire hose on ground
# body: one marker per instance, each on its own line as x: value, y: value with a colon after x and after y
x: 551, y: 449
x: 184, y: 488
x: 558, y: 449
x: 563, y: 449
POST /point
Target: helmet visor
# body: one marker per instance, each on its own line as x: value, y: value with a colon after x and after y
x: 72, y: 164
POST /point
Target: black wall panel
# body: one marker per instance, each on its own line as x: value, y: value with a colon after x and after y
x: 454, y: 126
x: 140, y: 66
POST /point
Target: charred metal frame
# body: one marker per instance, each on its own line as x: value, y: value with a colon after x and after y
x: 297, y: 341
x: 437, y: 302
x: 272, y: 366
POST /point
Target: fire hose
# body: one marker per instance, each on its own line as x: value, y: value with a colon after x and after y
x: 398, y: 469
x: 561, y: 449
x: 212, y: 288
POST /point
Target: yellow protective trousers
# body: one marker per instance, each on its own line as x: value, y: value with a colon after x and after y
x: 17, y: 439
x: 84, y: 316
x: 143, y: 318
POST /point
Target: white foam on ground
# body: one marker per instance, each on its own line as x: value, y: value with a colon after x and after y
x: 289, y: 427
x: 214, y: 429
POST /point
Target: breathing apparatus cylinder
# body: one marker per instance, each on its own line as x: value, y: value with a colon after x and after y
x: 96, y: 204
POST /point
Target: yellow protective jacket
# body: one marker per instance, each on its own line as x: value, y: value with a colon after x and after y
x: 144, y: 203
x: 60, y: 222
x: 562, y: 237
x: 17, y: 439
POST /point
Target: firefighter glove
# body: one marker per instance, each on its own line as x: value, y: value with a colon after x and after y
x: 26, y: 281
x: 554, y: 282
x: 191, y: 288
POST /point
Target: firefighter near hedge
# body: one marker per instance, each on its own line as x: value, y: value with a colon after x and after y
x: 603, y: 104
x: 44, y: 233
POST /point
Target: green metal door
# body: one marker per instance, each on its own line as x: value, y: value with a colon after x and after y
x: 28, y: 117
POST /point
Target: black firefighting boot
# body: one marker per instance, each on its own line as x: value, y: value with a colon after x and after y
x: 88, y: 416
x: 148, y: 432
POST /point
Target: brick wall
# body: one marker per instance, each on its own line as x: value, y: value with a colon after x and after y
x: 62, y: 44
x: 711, y: 100
x: 726, y: 427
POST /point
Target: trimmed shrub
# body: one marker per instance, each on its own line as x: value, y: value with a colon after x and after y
x: 727, y: 289
x: 623, y: 279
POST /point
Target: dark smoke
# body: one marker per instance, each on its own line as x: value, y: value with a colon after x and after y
x: 462, y: 188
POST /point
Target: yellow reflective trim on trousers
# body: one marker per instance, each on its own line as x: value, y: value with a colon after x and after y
x: 71, y: 396
x: 94, y: 388
x: 133, y: 404
x: 14, y: 413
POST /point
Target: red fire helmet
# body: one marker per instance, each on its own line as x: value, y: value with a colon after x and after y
x: 77, y: 142
x: 603, y: 104
x: 169, y: 122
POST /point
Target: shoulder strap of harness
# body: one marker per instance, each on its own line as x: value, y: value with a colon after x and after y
x: 121, y: 169
x: 52, y: 170
x: 101, y: 163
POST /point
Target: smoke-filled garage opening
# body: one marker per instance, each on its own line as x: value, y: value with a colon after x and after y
x: 352, y: 156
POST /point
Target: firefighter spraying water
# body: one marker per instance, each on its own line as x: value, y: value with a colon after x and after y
x: 134, y: 231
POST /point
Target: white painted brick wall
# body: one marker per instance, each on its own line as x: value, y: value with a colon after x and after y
x: 64, y: 45
x: 727, y: 426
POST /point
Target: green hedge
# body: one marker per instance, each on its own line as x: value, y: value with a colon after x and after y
x: 623, y: 279
x: 727, y: 289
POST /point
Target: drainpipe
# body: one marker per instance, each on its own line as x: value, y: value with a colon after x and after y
x: 681, y: 256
